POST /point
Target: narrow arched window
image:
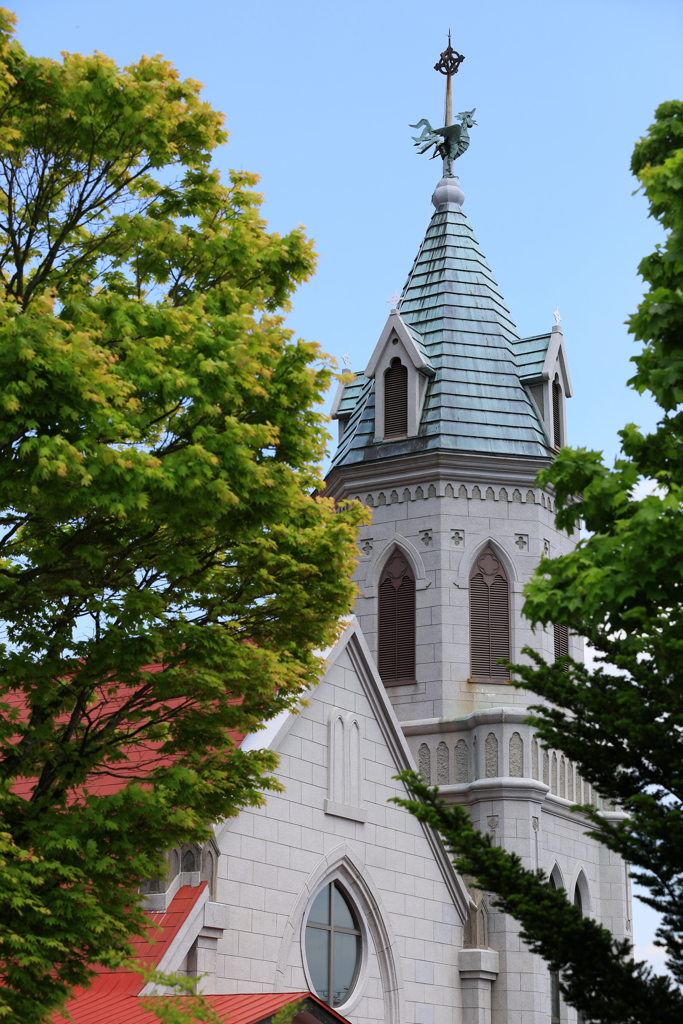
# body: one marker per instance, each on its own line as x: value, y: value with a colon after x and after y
x: 554, y: 976
x: 557, y: 415
x: 578, y: 903
x: 396, y: 399
x: 489, y: 617
x: 189, y: 861
x: 396, y: 646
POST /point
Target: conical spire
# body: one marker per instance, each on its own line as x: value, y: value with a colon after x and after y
x: 477, y: 401
x: 458, y: 324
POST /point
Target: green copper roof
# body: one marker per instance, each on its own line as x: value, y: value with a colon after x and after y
x: 476, y: 401
x: 531, y: 354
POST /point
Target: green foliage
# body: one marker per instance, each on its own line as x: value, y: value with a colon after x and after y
x: 621, y: 589
x: 166, y: 574
x: 185, y: 1006
x: 287, y: 1013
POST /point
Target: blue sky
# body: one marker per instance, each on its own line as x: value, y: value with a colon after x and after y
x: 318, y: 98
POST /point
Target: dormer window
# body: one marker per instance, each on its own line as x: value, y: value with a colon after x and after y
x: 400, y: 369
x: 396, y: 399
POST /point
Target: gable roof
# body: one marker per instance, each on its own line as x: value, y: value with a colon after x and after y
x: 477, y: 401
x: 354, y: 644
x: 412, y: 340
x: 531, y: 355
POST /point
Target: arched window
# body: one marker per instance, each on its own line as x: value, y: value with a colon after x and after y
x: 554, y: 883
x: 578, y: 903
x: 208, y: 874
x: 489, y: 617
x: 333, y: 945
x: 396, y: 646
x: 189, y: 861
x: 557, y: 415
x: 396, y: 399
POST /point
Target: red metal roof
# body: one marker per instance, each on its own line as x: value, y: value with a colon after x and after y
x: 116, y: 1005
x: 141, y: 758
x: 112, y: 989
x: 114, y: 996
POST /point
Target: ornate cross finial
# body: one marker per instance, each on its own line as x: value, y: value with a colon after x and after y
x: 452, y: 140
x: 556, y: 314
x: 394, y: 300
x: 450, y: 60
x: 346, y: 359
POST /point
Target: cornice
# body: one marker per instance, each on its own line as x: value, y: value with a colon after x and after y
x: 502, y: 788
x: 426, y: 467
x: 464, y: 723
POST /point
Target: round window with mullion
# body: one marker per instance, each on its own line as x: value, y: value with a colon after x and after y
x: 333, y: 945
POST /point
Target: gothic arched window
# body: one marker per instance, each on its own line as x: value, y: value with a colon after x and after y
x: 554, y: 975
x: 557, y: 415
x: 578, y: 903
x: 396, y: 646
x: 396, y: 399
x: 489, y: 617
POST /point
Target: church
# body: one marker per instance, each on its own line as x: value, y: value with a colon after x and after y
x: 328, y: 892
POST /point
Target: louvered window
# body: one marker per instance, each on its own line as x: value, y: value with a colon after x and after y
x: 561, y: 642
x: 396, y: 645
x: 557, y: 419
x: 396, y: 399
x: 489, y: 617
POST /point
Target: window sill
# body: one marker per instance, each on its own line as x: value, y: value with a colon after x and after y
x: 489, y: 679
x: 345, y: 811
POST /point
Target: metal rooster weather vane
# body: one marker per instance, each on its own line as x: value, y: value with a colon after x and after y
x: 452, y: 140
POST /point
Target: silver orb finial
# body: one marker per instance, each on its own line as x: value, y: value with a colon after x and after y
x: 448, y: 191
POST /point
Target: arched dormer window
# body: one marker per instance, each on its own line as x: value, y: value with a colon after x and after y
x: 557, y: 414
x: 396, y: 399
x: 489, y: 617
x: 396, y: 646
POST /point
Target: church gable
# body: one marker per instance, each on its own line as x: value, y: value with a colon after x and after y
x: 333, y: 831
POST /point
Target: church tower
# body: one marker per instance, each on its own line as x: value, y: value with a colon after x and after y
x: 442, y: 436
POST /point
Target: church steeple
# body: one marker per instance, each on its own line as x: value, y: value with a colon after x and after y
x: 473, y: 388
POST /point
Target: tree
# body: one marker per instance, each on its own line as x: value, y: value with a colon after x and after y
x: 622, y: 589
x: 166, y: 572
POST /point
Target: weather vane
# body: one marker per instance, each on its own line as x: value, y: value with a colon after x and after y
x: 452, y: 140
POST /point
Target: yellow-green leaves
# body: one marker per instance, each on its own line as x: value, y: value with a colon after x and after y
x: 159, y: 446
